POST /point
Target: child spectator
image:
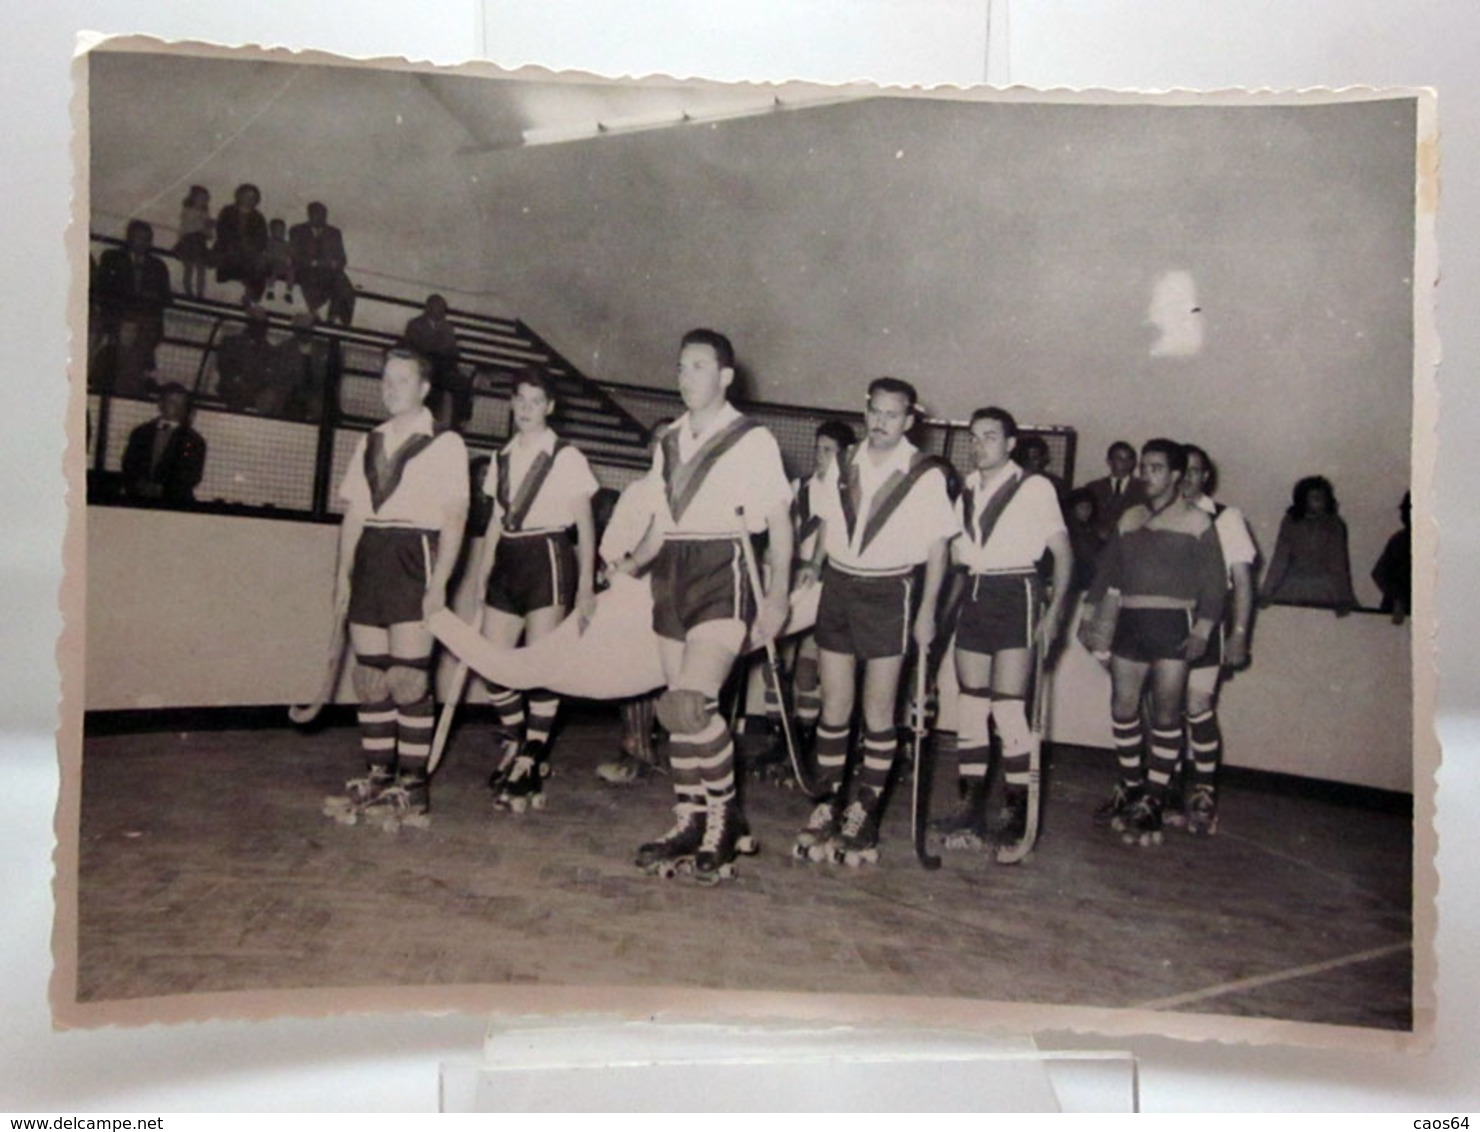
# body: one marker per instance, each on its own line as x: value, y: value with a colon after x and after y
x: 1394, y: 570
x: 241, y: 244
x: 192, y: 246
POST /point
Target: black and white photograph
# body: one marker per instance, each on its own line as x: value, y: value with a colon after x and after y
x: 556, y: 542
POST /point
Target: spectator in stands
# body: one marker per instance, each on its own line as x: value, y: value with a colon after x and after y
x: 279, y: 261
x: 319, y: 261
x: 243, y: 361
x: 132, y: 289
x: 1310, y: 564
x: 1394, y: 570
x: 165, y: 457
x: 433, y: 334
x: 1084, y: 537
x: 193, y: 243
x: 241, y: 244
x: 1032, y: 454
x: 301, y: 370
x: 1116, y: 493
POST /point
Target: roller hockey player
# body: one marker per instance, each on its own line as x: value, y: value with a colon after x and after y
x: 1163, y: 571
x: 1228, y: 648
x: 723, y: 481
x: 532, y: 574
x: 1009, y: 517
x: 886, y: 520
x: 406, y: 502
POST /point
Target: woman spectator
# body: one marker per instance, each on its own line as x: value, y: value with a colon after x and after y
x: 1310, y: 564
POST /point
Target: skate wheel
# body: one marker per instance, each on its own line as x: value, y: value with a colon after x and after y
x: 537, y: 802
x: 418, y: 821
x: 747, y: 846
x: 802, y: 852
x: 346, y: 817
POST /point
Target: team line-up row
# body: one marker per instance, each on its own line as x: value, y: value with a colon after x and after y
x: 911, y: 563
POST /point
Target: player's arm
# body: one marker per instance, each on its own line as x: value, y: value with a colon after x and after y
x: 449, y: 545
x: 935, y: 573
x: 585, y: 559
x: 810, y: 571
x: 774, y: 606
x: 1212, y: 593
x: 1236, y: 654
x: 1063, y: 571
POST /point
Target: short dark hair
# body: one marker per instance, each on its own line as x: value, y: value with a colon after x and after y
x: 317, y: 206
x: 534, y: 377
x: 1121, y: 444
x: 839, y: 432
x: 724, y: 352
x: 247, y: 186
x: 1175, y: 453
x: 899, y: 387
x: 1001, y: 416
x: 1210, y: 469
x: 170, y: 387
x: 139, y: 226
x: 1082, y: 495
x: 403, y: 351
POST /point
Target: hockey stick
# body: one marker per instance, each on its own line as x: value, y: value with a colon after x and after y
x: 304, y: 714
x: 924, y: 768
x: 753, y: 573
x: 455, y: 691
x: 1017, y: 853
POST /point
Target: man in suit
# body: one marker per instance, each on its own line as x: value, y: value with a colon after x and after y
x: 1119, y: 491
x: 165, y: 457
x: 132, y: 289
x: 318, y: 265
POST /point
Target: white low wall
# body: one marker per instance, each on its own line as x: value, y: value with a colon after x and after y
x: 195, y: 610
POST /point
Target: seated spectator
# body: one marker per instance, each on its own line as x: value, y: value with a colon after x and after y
x: 243, y: 362
x: 132, y: 291
x: 165, y: 457
x: 1310, y: 564
x: 1394, y: 570
x: 193, y: 242
x: 318, y: 266
x: 241, y: 244
x: 300, y: 372
x: 432, y: 333
x: 279, y: 261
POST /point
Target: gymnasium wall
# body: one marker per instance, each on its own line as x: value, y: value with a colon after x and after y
x: 990, y: 252
x: 192, y: 610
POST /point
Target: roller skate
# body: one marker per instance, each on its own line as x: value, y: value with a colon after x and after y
x: 360, y: 796
x: 1202, y: 811
x: 814, y: 842
x: 726, y: 836
x: 508, y: 751
x: 857, y: 842
x: 524, y: 786
x: 966, y: 828
x: 773, y: 764
x: 1142, y: 823
x: 673, y: 853
x: 1112, y: 811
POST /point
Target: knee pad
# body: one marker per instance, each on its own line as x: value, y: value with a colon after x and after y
x: 1012, y: 724
x: 684, y: 712
x: 368, y: 678
x: 407, y: 683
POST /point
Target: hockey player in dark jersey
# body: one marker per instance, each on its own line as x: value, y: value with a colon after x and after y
x: 1158, y: 594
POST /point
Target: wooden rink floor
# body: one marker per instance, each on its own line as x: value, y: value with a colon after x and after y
x: 206, y: 865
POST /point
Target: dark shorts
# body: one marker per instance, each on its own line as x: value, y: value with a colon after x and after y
x: 865, y: 617
x: 1148, y: 635
x: 998, y: 611
x: 532, y: 572
x: 699, y: 580
x: 389, y: 577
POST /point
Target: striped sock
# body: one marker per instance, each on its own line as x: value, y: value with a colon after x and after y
x: 510, y: 707
x: 808, y: 690
x: 1205, y: 739
x: 973, y: 735
x: 832, y: 756
x: 879, y: 751
x: 1017, y: 741
x: 415, y: 723
x: 378, y: 736
x: 542, y: 708
x: 1166, y: 749
x: 1128, y: 741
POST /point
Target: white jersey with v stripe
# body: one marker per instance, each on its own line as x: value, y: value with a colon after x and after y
x: 749, y: 475
x: 1021, y: 533
x: 911, y: 524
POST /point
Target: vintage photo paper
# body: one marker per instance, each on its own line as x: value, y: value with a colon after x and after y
x: 1250, y: 273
